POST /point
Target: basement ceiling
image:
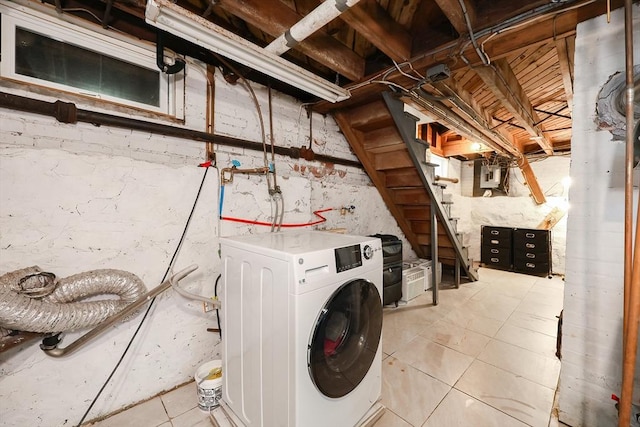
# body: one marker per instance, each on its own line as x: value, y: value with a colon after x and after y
x: 494, y: 76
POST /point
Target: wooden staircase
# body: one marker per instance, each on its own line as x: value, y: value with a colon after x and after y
x: 383, y: 137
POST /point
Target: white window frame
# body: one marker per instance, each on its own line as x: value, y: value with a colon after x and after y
x: 70, y: 30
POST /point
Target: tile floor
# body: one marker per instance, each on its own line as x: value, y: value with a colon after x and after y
x: 485, y: 356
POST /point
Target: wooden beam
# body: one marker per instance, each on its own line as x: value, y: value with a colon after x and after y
x: 463, y: 148
x: 565, y: 68
x: 500, y: 79
x: 373, y: 23
x: 275, y: 17
x: 531, y: 181
x: 453, y: 11
x: 497, y: 45
x: 463, y: 125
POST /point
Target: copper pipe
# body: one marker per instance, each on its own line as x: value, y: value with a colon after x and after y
x: 234, y: 170
x: 631, y: 270
x: 211, y: 95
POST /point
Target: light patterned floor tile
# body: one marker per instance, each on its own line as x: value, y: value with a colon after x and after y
x: 474, y: 322
x: 534, y: 322
x: 530, y: 340
x: 543, y: 298
x: 548, y: 311
x: 525, y: 363
x: 193, y: 418
x: 461, y: 410
x: 180, y: 400
x: 407, y: 391
x: 390, y: 419
x: 434, y: 359
x: 148, y: 414
x: 394, y: 338
x: 492, y: 305
x: 516, y: 396
x: 511, y: 289
x: 456, y: 338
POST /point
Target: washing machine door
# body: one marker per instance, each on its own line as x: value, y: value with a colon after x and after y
x: 345, y: 338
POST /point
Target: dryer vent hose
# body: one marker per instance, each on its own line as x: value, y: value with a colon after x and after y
x: 34, y: 301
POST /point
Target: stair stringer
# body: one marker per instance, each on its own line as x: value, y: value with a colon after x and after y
x: 406, y: 125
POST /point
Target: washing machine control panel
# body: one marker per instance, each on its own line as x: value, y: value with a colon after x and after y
x: 348, y: 257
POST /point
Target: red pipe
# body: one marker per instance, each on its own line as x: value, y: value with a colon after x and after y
x: 269, y: 224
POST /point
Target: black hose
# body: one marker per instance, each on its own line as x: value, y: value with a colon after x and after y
x: 215, y: 294
x: 146, y: 313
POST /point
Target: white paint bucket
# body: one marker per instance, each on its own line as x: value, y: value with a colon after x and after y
x: 209, y: 390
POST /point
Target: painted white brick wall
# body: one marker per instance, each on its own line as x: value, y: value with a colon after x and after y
x: 592, y: 328
x: 81, y: 197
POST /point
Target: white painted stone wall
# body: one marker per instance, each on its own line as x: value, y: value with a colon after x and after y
x: 79, y: 197
x: 516, y: 210
x: 592, y: 329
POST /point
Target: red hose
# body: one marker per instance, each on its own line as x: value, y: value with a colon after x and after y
x: 269, y: 224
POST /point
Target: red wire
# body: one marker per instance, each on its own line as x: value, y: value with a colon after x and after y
x: 269, y: 224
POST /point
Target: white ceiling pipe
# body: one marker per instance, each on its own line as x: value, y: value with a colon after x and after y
x: 316, y: 19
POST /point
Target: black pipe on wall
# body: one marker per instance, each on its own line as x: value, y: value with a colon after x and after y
x: 67, y: 112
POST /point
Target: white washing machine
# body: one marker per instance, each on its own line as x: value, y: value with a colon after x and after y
x: 302, y: 325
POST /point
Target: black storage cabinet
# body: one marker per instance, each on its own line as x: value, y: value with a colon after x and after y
x: 496, y: 247
x: 532, y: 251
x: 523, y: 250
x: 391, y: 268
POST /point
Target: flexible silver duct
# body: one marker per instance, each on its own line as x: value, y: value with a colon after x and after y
x: 32, y: 301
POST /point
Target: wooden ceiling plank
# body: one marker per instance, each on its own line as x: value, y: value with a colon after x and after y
x: 505, y: 43
x: 373, y: 22
x: 500, y: 79
x: 274, y: 18
x: 565, y: 69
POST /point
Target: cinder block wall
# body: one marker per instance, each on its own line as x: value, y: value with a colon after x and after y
x: 592, y: 330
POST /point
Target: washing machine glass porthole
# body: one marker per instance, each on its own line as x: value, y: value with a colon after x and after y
x: 345, y: 338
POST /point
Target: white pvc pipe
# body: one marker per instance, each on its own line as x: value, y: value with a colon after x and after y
x: 318, y: 18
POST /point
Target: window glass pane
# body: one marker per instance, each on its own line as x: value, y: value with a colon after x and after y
x: 47, y: 59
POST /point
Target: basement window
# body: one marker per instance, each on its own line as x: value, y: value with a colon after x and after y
x: 53, y: 53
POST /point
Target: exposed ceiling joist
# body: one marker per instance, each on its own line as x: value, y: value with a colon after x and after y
x: 454, y: 13
x: 463, y: 148
x: 465, y: 127
x: 274, y: 18
x: 500, y: 79
x: 372, y: 22
x: 562, y: 47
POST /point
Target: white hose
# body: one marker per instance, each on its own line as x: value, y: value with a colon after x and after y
x: 60, y: 310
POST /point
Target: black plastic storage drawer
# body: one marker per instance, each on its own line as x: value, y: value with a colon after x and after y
x: 500, y: 261
x: 531, y: 267
x: 496, y: 236
x: 391, y: 248
x: 539, y: 256
x: 531, y: 240
x: 392, y: 274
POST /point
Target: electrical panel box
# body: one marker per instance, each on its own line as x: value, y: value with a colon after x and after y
x: 490, y: 176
